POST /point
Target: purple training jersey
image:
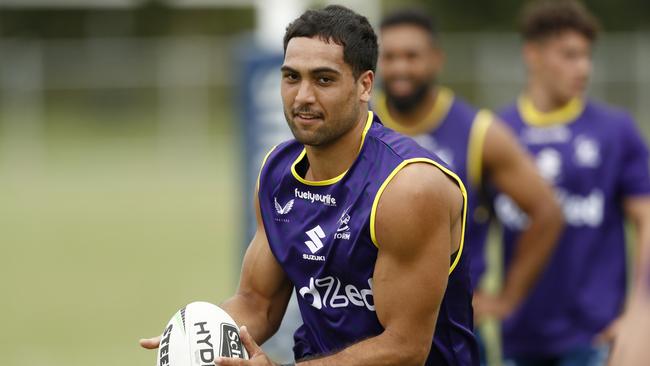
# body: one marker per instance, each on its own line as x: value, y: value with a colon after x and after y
x: 322, y: 234
x: 454, y: 131
x: 594, y: 157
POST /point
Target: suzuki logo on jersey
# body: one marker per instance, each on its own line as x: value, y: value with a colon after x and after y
x: 330, y: 292
x: 283, y: 210
x: 343, y: 231
x: 315, y: 234
x: 327, y: 199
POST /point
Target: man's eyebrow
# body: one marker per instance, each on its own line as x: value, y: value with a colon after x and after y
x: 318, y: 70
x: 285, y: 68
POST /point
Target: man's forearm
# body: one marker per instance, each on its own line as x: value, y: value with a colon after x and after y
x: 248, y: 311
x: 382, y: 350
x: 532, y: 251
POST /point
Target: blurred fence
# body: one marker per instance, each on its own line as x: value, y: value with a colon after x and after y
x: 179, y: 74
x: 180, y: 90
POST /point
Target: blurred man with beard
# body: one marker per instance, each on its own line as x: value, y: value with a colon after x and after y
x: 593, y: 155
x: 476, y: 144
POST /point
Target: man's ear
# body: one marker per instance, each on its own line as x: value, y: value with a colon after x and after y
x: 365, y: 84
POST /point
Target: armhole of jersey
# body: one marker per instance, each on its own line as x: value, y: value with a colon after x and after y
x: 477, y: 135
x: 259, y: 174
x: 452, y: 175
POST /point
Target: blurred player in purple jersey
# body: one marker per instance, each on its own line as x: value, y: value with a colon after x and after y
x: 474, y: 143
x: 365, y: 224
x: 596, y: 160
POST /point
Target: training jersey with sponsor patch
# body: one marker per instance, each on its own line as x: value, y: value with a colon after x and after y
x: 594, y: 157
x: 322, y: 234
x: 454, y: 131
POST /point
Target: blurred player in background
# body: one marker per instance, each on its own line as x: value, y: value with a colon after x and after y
x: 363, y: 222
x: 595, y: 158
x: 474, y: 143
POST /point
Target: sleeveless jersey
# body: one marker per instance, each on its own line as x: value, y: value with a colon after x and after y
x: 322, y: 234
x: 594, y: 159
x: 454, y: 130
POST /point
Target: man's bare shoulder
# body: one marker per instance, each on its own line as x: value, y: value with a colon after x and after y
x: 416, y: 199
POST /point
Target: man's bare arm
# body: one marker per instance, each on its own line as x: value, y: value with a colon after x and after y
x: 263, y: 293
x: 264, y: 290
x: 630, y: 347
x: 512, y: 171
x: 637, y: 210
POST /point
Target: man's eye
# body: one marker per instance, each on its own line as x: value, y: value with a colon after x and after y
x: 324, y: 80
x: 291, y: 77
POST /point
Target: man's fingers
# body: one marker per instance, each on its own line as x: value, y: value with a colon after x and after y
x: 150, y: 343
x: 227, y: 361
x: 249, y: 342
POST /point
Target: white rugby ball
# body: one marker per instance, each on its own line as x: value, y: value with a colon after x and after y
x: 197, y: 334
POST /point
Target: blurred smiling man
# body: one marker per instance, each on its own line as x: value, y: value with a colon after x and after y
x: 598, y: 164
x: 474, y: 143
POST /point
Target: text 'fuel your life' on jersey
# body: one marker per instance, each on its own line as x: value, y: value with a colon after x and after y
x: 320, y: 233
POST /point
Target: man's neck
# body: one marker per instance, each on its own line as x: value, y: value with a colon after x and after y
x: 330, y: 161
x: 543, y: 100
x: 416, y: 115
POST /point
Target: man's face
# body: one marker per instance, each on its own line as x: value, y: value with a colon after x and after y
x: 561, y: 63
x: 409, y: 64
x: 321, y: 98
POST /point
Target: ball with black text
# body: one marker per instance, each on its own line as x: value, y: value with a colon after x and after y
x: 197, y: 334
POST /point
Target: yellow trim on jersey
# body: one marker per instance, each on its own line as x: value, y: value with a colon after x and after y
x: 563, y: 115
x: 444, y: 100
x: 482, y: 122
x: 340, y: 176
x: 375, y: 203
x: 259, y: 174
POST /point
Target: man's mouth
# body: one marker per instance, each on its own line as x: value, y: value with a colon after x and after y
x: 307, y: 116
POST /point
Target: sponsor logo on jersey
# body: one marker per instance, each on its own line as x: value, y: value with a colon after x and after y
x: 330, y: 292
x: 579, y: 210
x: 315, y: 235
x: 230, y: 342
x: 586, y: 152
x: 283, y: 210
x: 343, y: 230
x: 327, y: 199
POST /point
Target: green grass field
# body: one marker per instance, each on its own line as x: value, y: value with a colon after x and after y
x: 104, y: 238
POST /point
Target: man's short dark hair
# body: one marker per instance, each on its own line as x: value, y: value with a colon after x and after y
x: 412, y: 17
x: 344, y: 27
x: 542, y: 18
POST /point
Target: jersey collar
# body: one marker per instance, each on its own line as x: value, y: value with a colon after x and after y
x: 563, y: 115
